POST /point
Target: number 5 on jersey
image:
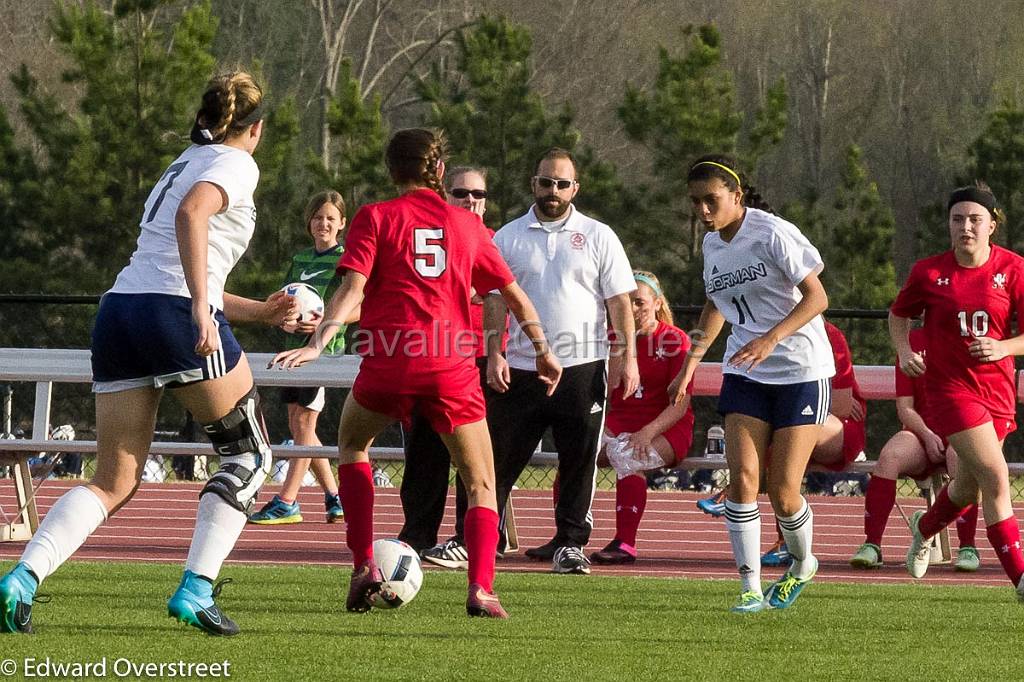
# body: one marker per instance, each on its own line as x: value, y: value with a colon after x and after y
x: 430, y: 259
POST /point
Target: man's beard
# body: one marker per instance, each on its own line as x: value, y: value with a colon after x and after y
x: 552, y: 209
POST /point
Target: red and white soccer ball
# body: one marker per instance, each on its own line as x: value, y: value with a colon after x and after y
x: 403, y: 575
x: 310, y: 303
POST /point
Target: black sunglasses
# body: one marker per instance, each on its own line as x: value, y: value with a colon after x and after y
x: 547, y: 183
x: 462, y: 193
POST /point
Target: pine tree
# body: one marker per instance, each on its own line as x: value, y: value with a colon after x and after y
x: 491, y: 115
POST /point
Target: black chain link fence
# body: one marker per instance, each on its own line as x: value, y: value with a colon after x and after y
x: 65, y: 322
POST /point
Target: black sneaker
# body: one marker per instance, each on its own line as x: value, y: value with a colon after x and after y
x: 570, y: 560
x: 545, y: 552
x: 450, y: 554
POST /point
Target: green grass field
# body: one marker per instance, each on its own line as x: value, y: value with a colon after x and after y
x: 562, y: 627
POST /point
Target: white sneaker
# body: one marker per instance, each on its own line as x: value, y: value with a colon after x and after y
x: 919, y: 552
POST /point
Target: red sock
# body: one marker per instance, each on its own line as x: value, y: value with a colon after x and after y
x: 555, y: 492
x: 1005, y: 539
x: 942, y: 513
x: 355, y: 486
x: 878, y: 504
x: 967, y: 526
x: 630, y: 502
x: 481, y: 530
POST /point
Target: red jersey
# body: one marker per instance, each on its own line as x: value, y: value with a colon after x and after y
x: 960, y: 304
x: 844, y: 376
x: 421, y: 257
x: 660, y: 356
x: 909, y: 386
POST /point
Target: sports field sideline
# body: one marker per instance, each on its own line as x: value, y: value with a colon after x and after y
x: 640, y: 621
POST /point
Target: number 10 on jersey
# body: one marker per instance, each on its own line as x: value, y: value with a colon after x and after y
x: 979, y: 323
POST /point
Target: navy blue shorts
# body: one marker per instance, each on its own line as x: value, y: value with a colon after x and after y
x: 149, y: 340
x: 780, y: 405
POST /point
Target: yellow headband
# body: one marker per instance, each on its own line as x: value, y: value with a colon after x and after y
x: 728, y: 170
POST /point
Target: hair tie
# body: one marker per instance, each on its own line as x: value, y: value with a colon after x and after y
x: 728, y: 170
x: 978, y: 196
x: 639, y: 277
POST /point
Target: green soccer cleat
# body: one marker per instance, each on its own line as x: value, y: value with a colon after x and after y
x: 919, y: 552
x: 193, y: 604
x: 783, y: 594
x: 967, y: 560
x: 277, y: 512
x: 17, y: 592
x: 868, y: 555
x: 750, y: 602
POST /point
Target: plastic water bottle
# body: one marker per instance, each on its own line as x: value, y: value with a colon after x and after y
x: 716, y: 442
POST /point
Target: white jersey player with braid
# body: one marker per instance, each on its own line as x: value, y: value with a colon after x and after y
x: 164, y: 325
x: 761, y: 276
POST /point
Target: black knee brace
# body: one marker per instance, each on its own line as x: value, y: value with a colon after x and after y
x: 240, y: 439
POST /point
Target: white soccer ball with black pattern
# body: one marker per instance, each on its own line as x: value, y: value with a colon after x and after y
x: 403, y: 575
x: 310, y: 303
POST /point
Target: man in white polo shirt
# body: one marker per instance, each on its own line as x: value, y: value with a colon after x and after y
x: 575, y: 271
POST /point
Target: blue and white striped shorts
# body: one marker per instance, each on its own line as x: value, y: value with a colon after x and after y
x: 149, y: 340
x: 780, y: 405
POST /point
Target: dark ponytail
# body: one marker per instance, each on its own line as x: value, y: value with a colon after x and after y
x: 414, y: 155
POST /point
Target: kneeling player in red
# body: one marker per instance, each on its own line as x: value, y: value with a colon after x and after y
x: 968, y: 296
x: 645, y: 431
x: 413, y: 262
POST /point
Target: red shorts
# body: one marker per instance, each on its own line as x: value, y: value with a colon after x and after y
x: 854, y: 439
x: 679, y: 437
x: 444, y: 412
x: 947, y: 417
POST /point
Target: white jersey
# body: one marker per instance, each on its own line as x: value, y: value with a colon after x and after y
x: 752, y: 281
x: 155, y: 267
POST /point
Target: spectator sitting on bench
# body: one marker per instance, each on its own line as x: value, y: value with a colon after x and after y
x: 645, y: 431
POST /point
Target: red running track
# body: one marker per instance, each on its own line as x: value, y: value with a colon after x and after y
x: 676, y: 539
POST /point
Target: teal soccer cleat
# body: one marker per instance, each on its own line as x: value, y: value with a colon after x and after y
x: 17, y: 592
x: 783, y: 594
x: 193, y: 604
x: 750, y: 602
x: 278, y: 512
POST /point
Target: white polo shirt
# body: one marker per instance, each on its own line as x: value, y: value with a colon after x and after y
x: 568, y: 270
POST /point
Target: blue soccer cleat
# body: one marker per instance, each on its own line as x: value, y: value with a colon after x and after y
x: 278, y: 512
x: 714, y: 505
x: 17, y: 592
x: 193, y: 604
x: 783, y: 594
x: 332, y: 503
x: 778, y: 555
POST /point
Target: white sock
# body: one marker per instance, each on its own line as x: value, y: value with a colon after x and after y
x: 218, y: 526
x: 68, y: 524
x: 798, y: 531
x: 743, y: 521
